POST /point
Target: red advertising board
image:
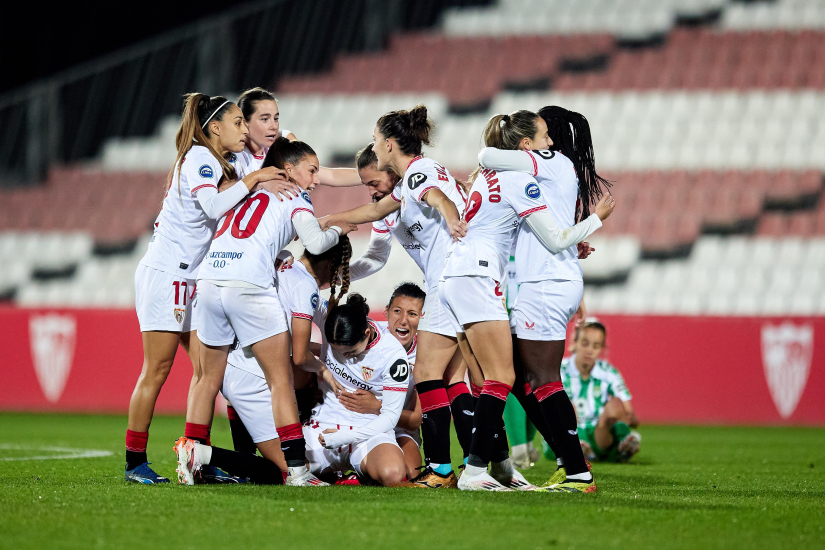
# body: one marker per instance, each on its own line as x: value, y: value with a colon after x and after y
x: 719, y: 370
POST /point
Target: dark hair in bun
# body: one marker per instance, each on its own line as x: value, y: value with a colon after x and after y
x: 347, y: 324
x: 411, y: 129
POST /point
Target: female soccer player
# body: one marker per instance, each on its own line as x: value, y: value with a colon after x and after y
x: 551, y: 280
x: 428, y: 199
x: 239, y: 298
x: 211, y: 130
x: 403, y: 315
x: 359, y: 356
x: 472, y: 293
x: 260, y: 109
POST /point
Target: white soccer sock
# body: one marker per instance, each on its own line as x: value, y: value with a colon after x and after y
x: 500, y: 468
x: 584, y: 476
x: 474, y: 470
x: 560, y: 462
x: 203, y: 453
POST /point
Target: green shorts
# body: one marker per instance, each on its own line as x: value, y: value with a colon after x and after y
x: 611, y: 454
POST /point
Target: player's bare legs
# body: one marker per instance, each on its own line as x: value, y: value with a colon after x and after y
x: 385, y: 464
x: 273, y: 356
x: 541, y: 361
x: 201, y: 405
x: 613, y: 412
x: 190, y: 343
x: 412, y: 455
x: 435, y: 352
x: 271, y: 450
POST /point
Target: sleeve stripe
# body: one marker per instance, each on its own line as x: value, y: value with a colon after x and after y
x: 380, y: 230
x: 425, y: 191
x: 393, y: 197
x: 528, y: 212
x: 535, y: 164
x: 391, y: 388
x: 302, y: 316
x: 301, y: 210
x: 195, y: 190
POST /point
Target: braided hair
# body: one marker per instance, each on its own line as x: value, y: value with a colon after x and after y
x: 337, y: 259
x: 570, y: 133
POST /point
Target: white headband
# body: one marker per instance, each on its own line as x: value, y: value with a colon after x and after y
x: 213, y: 114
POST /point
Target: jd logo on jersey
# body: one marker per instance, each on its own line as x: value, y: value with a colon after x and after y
x: 366, y: 373
x: 52, y: 339
x: 415, y: 180
x: 786, y: 355
x: 399, y: 371
x: 206, y: 171
x: 545, y: 154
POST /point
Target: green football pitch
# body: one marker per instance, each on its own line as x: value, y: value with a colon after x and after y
x: 690, y: 487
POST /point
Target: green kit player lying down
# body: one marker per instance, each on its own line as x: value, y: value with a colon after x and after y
x: 601, y: 398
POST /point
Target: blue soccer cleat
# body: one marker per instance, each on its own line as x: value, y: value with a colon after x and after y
x: 210, y: 474
x: 144, y: 474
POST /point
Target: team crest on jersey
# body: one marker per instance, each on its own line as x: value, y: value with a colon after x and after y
x: 532, y: 190
x: 415, y: 180
x: 206, y: 171
x: 545, y: 154
x: 786, y: 355
x: 314, y: 301
x: 179, y: 315
x: 52, y: 340
x: 305, y: 196
x: 366, y: 373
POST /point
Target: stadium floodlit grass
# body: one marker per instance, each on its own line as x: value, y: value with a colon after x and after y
x: 690, y: 487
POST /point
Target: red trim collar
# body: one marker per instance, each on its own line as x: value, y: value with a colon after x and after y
x: 419, y: 157
x: 377, y: 334
x: 412, y: 348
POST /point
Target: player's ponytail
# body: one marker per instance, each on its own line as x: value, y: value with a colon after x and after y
x: 507, y: 131
x: 410, y: 129
x: 337, y: 261
x: 285, y: 152
x: 198, y: 111
x: 570, y: 133
x: 347, y: 324
x: 366, y: 157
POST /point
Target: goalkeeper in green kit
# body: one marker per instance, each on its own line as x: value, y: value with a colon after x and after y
x: 603, y: 403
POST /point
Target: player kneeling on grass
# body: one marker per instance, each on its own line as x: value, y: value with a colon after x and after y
x: 605, y: 414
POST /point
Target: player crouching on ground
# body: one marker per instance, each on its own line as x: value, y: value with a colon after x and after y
x: 598, y: 391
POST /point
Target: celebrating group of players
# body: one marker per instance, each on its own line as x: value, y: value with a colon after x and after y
x: 217, y: 281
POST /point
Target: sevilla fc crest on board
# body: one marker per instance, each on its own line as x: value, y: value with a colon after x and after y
x: 786, y: 355
x: 52, y: 339
x: 366, y: 372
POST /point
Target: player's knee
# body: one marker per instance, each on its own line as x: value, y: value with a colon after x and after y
x: 614, y: 409
x: 390, y: 473
x: 508, y: 378
x: 157, y: 371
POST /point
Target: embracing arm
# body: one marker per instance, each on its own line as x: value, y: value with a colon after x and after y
x: 339, y: 177
x: 411, y: 420
x: 391, y: 407
x: 301, y: 334
x: 366, y: 213
x: 501, y: 159
x: 314, y: 239
x: 436, y: 198
x: 215, y: 204
x: 374, y: 258
x: 556, y: 239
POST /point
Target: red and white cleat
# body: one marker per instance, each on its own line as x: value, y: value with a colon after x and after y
x: 300, y: 476
x: 188, y: 464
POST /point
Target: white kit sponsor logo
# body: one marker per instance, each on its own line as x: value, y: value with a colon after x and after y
x: 786, y: 355
x: 52, y: 338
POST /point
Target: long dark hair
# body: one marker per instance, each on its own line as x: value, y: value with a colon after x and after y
x: 570, y: 133
x: 410, y: 129
x: 338, y: 257
x: 248, y: 101
x: 410, y: 290
x: 346, y: 324
x: 284, y: 151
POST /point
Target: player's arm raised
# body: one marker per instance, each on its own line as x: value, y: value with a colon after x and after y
x: 376, y: 256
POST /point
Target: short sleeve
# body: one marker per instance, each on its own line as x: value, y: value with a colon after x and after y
x: 396, y: 194
x: 419, y: 182
x: 548, y: 164
x: 525, y: 197
x: 617, y: 387
x: 397, y: 376
x: 203, y: 171
x: 302, y: 203
x: 380, y: 227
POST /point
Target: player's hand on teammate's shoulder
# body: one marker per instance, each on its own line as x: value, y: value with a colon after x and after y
x: 360, y: 401
x: 605, y: 206
x: 277, y: 184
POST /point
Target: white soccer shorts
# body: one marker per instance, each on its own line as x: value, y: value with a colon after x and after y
x: 323, y: 460
x: 434, y: 318
x: 415, y: 435
x: 252, y: 400
x: 471, y: 300
x: 227, y: 311
x: 543, y: 309
x: 164, y: 302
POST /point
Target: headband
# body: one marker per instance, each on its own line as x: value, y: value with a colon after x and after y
x: 213, y: 114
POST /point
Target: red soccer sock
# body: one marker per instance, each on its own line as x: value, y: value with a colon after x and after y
x: 231, y: 413
x: 292, y: 444
x: 545, y: 391
x: 136, y: 441
x: 198, y: 432
x: 476, y: 390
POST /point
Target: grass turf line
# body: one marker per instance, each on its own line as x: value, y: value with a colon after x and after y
x: 690, y: 486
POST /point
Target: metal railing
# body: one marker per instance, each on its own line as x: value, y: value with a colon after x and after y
x: 66, y: 118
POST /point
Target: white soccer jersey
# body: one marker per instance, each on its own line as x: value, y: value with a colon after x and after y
x: 382, y: 368
x: 409, y: 402
x: 559, y: 184
x: 391, y: 225
x: 248, y: 162
x: 421, y: 222
x: 183, y: 231
x: 249, y: 238
x: 300, y: 297
x: 497, y: 204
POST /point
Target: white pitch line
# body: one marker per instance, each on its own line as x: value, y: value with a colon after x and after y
x: 70, y: 452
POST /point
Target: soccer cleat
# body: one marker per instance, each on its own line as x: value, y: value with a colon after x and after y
x: 571, y: 486
x: 188, y: 465
x: 430, y: 479
x: 629, y: 446
x: 507, y: 475
x: 559, y: 476
x: 144, y: 474
x: 212, y: 475
x: 351, y: 479
x: 522, y: 460
x: 480, y: 482
x: 300, y: 476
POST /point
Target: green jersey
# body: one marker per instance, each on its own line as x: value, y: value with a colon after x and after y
x: 589, y: 396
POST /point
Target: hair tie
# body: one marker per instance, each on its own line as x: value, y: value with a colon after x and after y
x: 504, y: 120
x: 213, y: 114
